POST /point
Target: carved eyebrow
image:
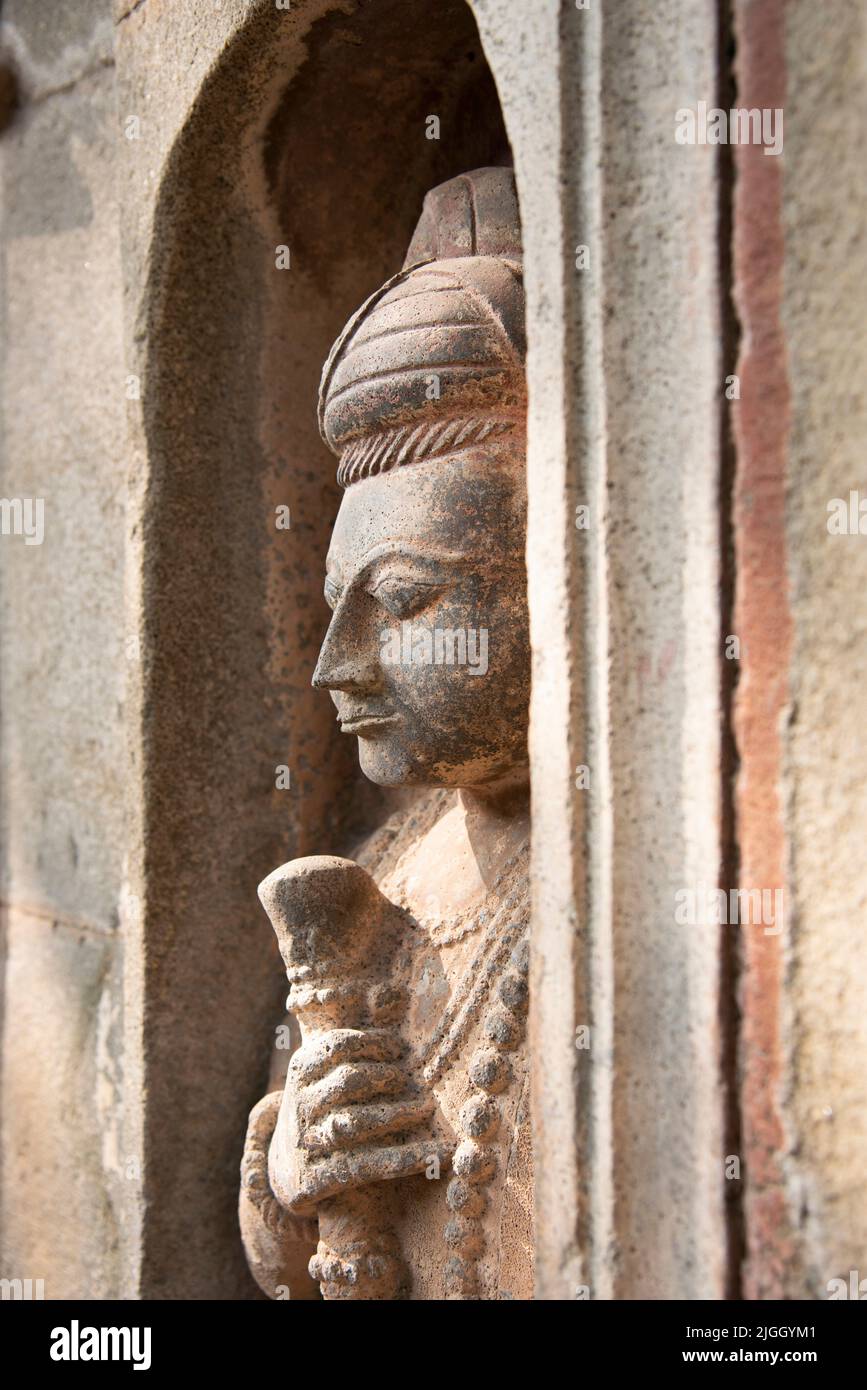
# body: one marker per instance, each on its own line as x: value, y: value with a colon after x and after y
x: 388, y: 550
x: 424, y: 556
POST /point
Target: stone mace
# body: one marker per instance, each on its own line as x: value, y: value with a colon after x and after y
x: 344, y: 946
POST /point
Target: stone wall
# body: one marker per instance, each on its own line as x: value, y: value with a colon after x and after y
x: 800, y: 290
x: 158, y: 392
x: 62, y: 666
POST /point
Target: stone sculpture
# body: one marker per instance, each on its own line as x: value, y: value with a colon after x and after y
x: 401, y: 1138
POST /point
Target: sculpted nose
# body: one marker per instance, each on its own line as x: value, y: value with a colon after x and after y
x: 346, y: 662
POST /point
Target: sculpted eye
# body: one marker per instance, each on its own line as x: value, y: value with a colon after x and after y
x: 404, y: 596
x: 332, y: 594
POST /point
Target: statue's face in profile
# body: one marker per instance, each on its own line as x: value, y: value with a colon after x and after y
x: 427, y: 654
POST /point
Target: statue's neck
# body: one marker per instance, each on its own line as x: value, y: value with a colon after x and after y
x: 497, y: 823
x: 490, y: 807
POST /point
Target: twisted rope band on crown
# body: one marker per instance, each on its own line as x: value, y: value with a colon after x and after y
x: 395, y: 448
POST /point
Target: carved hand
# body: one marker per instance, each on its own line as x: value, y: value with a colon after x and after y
x: 349, y: 1107
x: 278, y: 1245
x: 352, y: 1113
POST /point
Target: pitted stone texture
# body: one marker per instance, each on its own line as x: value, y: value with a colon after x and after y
x: 376, y: 1103
x: 71, y: 1187
x: 255, y: 123
x: 824, y: 780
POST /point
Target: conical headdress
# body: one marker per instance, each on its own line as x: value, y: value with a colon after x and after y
x: 433, y: 362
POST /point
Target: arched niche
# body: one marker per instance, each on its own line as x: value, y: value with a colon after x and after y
x: 309, y: 131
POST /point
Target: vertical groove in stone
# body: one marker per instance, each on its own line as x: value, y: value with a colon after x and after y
x: 629, y: 1199
x: 558, y: 728
x: 729, y: 669
x: 547, y: 62
x: 584, y: 409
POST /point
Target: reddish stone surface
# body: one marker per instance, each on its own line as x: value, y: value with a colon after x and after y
x: 764, y: 625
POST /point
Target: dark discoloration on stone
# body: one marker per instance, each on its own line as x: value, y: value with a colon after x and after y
x: 427, y: 661
x: 763, y: 621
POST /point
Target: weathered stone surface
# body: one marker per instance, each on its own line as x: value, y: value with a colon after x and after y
x: 624, y: 379
x: 824, y: 778
x: 399, y: 972
x: 234, y: 145
x: 67, y: 1182
x: 62, y: 662
x: 140, y: 741
x: 826, y: 761
x: 762, y: 621
x: 53, y: 48
x: 800, y: 277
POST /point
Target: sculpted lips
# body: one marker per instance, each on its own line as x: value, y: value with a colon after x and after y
x: 364, y: 720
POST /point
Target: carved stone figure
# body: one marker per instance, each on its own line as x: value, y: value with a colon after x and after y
x: 400, y: 1140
